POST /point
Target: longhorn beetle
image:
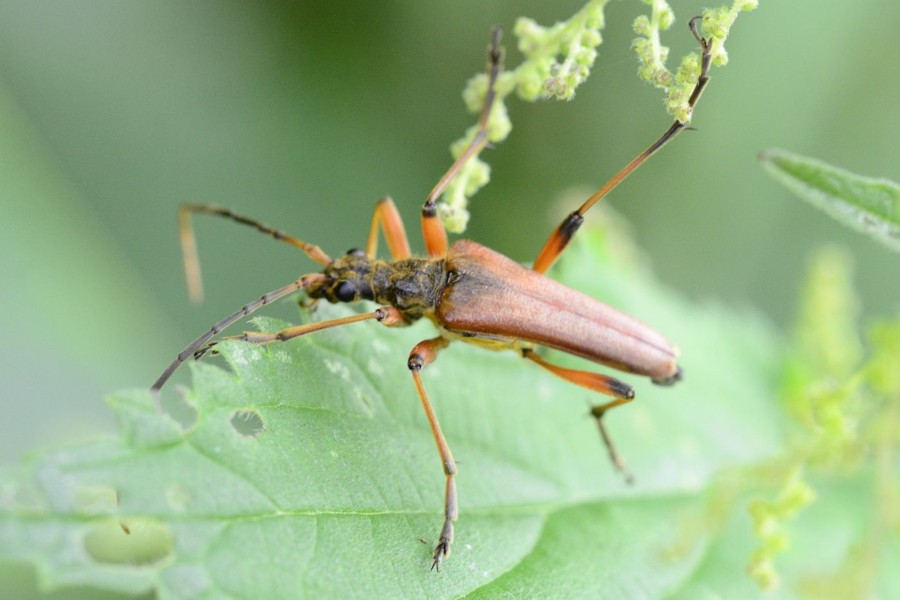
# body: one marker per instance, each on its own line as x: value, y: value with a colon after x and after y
x: 471, y: 294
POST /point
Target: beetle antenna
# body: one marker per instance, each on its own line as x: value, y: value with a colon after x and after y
x: 189, y: 242
x: 245, y: 310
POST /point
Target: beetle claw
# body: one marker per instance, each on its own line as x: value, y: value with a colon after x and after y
x: 441, y: 551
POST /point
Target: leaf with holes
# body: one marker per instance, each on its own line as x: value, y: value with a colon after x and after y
x: 308, y: 469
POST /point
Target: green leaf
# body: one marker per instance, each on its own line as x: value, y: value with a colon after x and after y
x: 309, y: 469
x: 836, y: 551
x: 866, y: 204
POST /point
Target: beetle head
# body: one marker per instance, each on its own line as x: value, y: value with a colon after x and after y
x: 347, y: 279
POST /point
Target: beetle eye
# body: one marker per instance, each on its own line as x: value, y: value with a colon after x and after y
x: 345, y: 292
x: 355, y: 252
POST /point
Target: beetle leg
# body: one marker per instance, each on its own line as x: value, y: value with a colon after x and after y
x: 432, y: 230
x: 388, y: 217
x: 621, y: 392
x: 213, y: 331
x: 424, y: 353
x: 189, y: 243
x: 386, y: 315
x: 562, y: 235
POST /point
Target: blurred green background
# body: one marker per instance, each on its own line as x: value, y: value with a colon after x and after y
x: 302, y: 114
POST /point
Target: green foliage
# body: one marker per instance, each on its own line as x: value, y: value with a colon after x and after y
x: 844, y: 401
x: 843, y: 394
x: 557, y: 60
x: 869, y: 205
x: 309, y: 470
x: 332, y: 488
x: 678, y: 86
x: 652, y: 54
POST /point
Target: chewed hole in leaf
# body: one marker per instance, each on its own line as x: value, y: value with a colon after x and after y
x: 137, y: 541
x: 182, y: 410
x: 248, y: 423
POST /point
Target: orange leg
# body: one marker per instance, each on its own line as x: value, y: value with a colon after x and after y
x: 245, y: 310
x: 562, y: 235
x: 622, y: 393
x: 388, y: 218
x: 432, y: 229
x: 423, y: 354
x: 189, y: 243
x: 386, y: 315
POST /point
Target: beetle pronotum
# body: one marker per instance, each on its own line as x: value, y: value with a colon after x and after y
x: 470, y: 293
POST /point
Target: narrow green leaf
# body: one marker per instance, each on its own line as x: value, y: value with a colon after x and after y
x: 869, y: 205
x: 309, y: 469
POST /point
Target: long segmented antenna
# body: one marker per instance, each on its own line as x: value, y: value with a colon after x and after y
x: 189, y: 242
x: 564, y: 232
x: 245, y: 310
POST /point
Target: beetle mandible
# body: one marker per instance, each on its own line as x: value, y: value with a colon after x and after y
x: 471, y: 294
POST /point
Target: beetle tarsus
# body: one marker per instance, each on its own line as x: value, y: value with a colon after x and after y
x: 442, y: 550
x: 201, y: 352
x: 614, y: 457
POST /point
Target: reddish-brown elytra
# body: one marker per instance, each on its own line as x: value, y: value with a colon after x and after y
x: 470, y: 293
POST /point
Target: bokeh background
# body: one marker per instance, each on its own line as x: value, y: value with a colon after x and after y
x: 303, y: 113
